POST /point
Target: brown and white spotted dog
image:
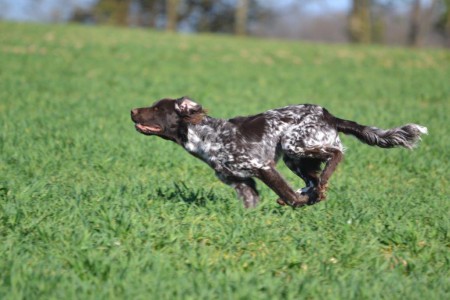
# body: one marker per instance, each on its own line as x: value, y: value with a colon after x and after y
x: 306, y: 137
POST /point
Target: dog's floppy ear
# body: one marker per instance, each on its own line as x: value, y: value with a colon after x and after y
x: 186, y: 107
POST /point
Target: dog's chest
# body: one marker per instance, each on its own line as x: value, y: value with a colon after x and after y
x: 201, y: 145
x: 223, y: 150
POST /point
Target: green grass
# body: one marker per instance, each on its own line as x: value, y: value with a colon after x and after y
x: 90, y: 209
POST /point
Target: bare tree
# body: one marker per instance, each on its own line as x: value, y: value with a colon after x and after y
x: 414, y: 38
x: 172, y: 15
x: 359, y: 26
x: 421, y: 21
x: 447, y: 23
x: 443, y: 24
x: 147, y: 12
x: 209, y: 15
x: 241, y: 17
x: 113, y: 11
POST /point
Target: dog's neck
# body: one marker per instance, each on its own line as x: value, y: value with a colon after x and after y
x: 202, y: 138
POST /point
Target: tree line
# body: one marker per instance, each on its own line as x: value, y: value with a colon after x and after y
x: 365, y: 20
x: 227, y: 16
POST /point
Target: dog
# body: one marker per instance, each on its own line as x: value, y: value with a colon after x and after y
x: 305, y: 136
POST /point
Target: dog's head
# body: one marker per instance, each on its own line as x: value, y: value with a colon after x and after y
x: 166, y: 116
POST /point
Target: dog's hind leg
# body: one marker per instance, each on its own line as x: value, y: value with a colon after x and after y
x: 245, y: 189
x: 307, y: 168
x: 335, y: 157
x: 276, y: 182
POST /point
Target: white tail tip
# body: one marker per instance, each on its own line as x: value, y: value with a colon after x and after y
x: 422, y: 129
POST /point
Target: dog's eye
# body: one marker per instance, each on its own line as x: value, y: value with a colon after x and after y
x: 155, y: 109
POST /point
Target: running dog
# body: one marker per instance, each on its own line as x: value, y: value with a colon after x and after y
x: 239, y: 149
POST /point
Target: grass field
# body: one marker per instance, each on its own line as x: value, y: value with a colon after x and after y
x: 90, y: 209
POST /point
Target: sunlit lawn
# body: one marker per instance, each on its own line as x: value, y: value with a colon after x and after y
x: 90, y: 209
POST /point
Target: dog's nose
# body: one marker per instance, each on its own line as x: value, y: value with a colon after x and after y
x: 134, y: 112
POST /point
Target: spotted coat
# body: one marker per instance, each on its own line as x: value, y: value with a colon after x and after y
x: 238, y: 149
x: 232, y: 150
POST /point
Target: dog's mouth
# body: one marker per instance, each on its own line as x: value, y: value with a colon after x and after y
x: 148, y: 129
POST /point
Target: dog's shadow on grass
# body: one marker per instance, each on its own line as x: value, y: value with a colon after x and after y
x: 182, y: 193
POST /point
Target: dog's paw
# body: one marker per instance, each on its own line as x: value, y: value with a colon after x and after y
x: 281, y: 202
x: 301, y: 200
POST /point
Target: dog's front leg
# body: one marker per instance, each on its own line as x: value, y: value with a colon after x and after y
x: 245, y: 189
x: 247, y: 192
x: 276, y: 182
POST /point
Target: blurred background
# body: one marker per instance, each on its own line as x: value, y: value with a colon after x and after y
x: 416, y: 23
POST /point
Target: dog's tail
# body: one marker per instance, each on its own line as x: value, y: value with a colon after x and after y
x: 405, y: 136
